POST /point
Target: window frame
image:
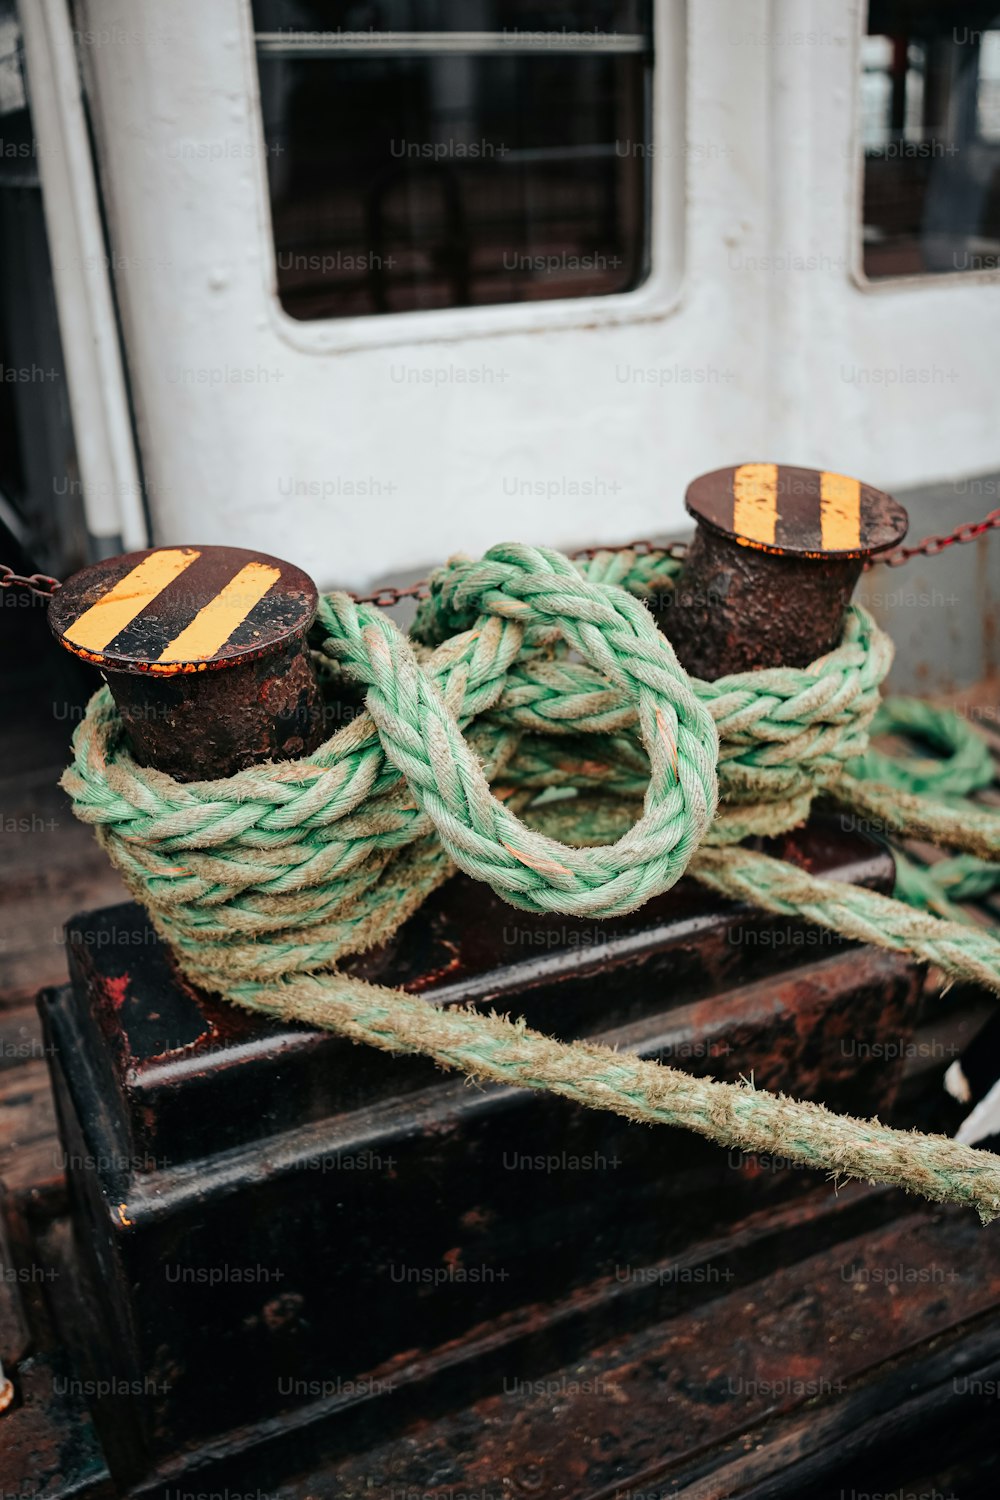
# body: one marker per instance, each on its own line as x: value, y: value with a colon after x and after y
x: 889, y: 285
x: 659, y: 295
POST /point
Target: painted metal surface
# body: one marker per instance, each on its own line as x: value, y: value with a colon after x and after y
x: 794, y: 512
x: 776, y: 554
x: 174, y: 610
x: 204, y: 651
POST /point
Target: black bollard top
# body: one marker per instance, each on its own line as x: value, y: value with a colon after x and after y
x: 793, y: 512
x: 172, y: 610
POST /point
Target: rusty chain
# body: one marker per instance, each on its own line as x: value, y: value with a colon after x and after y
x: 39, y: 584
x: 387, y: 597
x: 43, y: 586
x: 932, y: 545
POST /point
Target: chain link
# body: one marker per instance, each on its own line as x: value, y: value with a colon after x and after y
x: 932, y: 545
x: 386, y: 598
x: 673, y: 549
x: 39, y: 584
x: 43, y: 586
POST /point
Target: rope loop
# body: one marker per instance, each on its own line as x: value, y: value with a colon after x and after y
x: 544, y: 595
x: 524, y: 672
x: 967, y: 765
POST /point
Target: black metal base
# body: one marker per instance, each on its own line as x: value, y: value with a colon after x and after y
x: 283, y: 1229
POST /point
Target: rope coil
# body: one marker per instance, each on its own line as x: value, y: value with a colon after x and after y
x: 526, y: 674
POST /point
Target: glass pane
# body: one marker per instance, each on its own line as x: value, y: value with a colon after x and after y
x: 426, y: 154
x: 930, y: 131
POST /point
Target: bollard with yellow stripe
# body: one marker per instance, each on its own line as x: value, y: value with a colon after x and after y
x: 204, y: 651
x: 774, y: 561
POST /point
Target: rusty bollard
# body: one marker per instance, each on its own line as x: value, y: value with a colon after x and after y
x: 203, y: 649
x: 776, y: 554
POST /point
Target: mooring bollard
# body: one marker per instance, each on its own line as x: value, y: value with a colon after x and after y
x: 205, y: 1126
x: 203, y: 649
x: 776, y: 554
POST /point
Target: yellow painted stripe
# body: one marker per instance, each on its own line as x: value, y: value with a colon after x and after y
x: 755, y: 502
x: 99, y: 624
x: 840, y: 512
x: 212, y: 626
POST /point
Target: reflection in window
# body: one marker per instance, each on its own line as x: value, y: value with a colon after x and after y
x: 930, y: 131
x: 415, y: 165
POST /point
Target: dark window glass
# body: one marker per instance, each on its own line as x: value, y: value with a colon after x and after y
x: 931, y: 137
x: 427, y: 154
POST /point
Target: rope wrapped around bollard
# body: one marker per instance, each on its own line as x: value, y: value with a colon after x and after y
x: 525, y: 673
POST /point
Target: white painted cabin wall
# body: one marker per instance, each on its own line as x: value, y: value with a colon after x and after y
x: 771, y: 170
x: 196, y: 291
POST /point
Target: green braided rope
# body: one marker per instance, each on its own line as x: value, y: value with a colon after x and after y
x: 961, y: 952
x: 888, y: 789
x: 541, y: 591
x: 961, y: 764
x: 937, y: 887
x: 888, y: 792
x: 971, y: 829
x: 489, y: 1047
x: 527, y: 675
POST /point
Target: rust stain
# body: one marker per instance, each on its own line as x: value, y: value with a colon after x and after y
x: 441, y: 971
x: 668, y: 740
x: 116, y: 989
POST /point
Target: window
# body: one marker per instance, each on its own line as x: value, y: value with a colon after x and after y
x: 413, y: 165
x: 930, y: 131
